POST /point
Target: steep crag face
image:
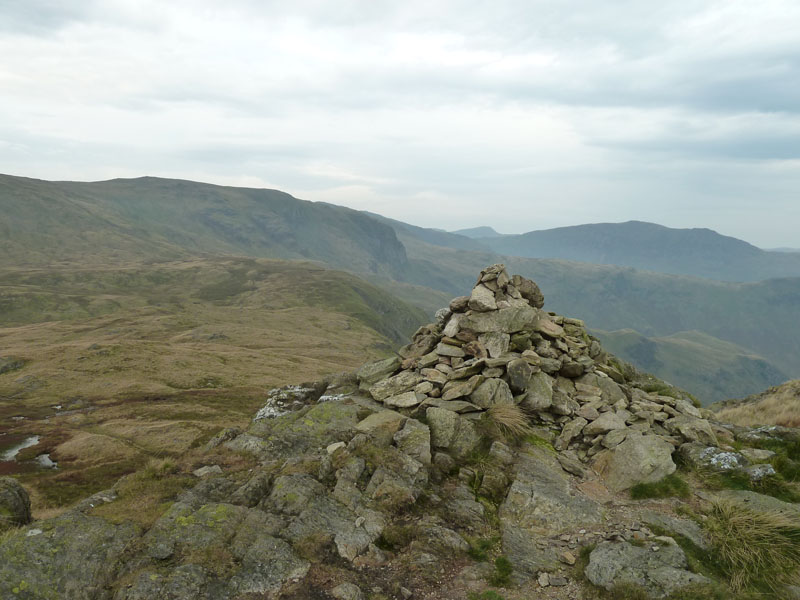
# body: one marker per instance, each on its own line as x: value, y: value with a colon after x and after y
x: 497, y: 447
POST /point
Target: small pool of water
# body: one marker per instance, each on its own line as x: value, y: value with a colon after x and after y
x: 11, y: 453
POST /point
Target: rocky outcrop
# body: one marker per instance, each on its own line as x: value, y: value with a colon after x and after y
x: 15, y: 505
x: 399, y: 481
x: 659, y: 568
x: 71, y: 556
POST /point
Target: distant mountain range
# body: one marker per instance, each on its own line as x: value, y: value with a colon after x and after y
x: 696, y: 252
x: 153, y: 220
x: 478, y: 232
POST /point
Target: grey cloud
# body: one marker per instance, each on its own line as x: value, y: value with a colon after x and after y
x: 40, y: 17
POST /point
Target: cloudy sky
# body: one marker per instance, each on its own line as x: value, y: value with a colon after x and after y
x: 520, y: 114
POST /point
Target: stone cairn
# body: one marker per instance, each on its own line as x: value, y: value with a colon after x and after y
x: 497, y: 346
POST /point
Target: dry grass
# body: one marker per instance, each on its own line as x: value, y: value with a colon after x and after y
x: 508, y: 421
x: 755, y: 549
x: 779, y: 406
x: 150, y: 361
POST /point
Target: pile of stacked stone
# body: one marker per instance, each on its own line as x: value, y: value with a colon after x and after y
x: 497, y: 346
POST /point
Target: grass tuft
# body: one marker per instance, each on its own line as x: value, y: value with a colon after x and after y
x: 502, y: 572
x: 774, y: 485
x: 480, y: 548
x: 756, y: 550
x: 508, y: 421
x: 669, y: 486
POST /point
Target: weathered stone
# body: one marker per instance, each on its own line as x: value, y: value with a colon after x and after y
x: 615, y: 375
x: 588, y: 412
x: 347, y: 591
x: 688, y: 529
x: 528, y: 290
x: 426, y: 387
x: 415, y: 440
x: 692, y: 429
x: 756, y: 454
x: 382, y: 425
x: 496, y: 343
x: 402, y: 382
x: 571, y: 369
x: 406, y: 399
x: 434, y: 376
x: 475, y: 349
x: 520, y: 342
x: 540, y: 392
x: 519, y: 373
x: 659, y: 573
x: 15, y: 504
x: 639, y: 459
x: 606, y: 422
x: 421, y: 346
x: 712, y: 458
x: 442, y: 315
x: 457, y: 406
x: 570, y: 431
x: 614, y: 438
x: 547, y: 327
x: 70, y: 556
x: 758, y: 502
x: 332, y: 448
x: 267, y: 564
x: 501, y: 453
x: 501, y: 361
x: 493, y: 485
x: 549, y: 365
x: 768, y: 433
x: 373, y: 372
x: 443, y: 349
x: 207, y: 470
x: 468, y: 370
x: 428, y: 360
x: 482, y: 299
x: 463, y: 507
x: 562, y: 404
x: 505, y: 320
x: 687, y: 408
x: 299, y: 431
x: 540, y: 503
x: 253, y: 491
x: 453, y: 326
x: 460, y: 388
x: 459, y: 304
x: 491, y: 392
x: 571, y: 464
x: 452, y: 431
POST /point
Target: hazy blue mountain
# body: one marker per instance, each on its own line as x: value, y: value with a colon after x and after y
x: 437, y: 237
x: 697, y: 252
x: 479, y: 232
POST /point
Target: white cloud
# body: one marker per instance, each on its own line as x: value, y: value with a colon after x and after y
x: 522, y: 114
